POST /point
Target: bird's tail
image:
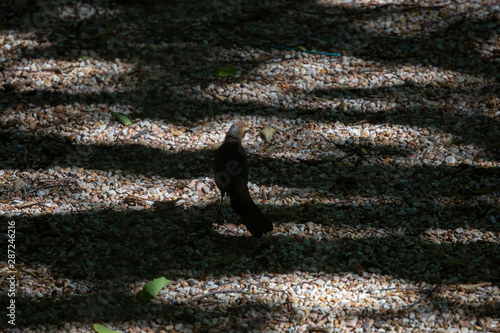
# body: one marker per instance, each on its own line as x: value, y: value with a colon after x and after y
x: 253, y: 218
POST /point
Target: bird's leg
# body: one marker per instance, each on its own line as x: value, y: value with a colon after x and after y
x: 219, y: 211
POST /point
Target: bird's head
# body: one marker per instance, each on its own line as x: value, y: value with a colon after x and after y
x: 237, y: 131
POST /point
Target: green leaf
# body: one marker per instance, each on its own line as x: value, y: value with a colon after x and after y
x: 227, y: 70
x: 267, y: 133
x: 152, y: 288
x: 301, y: 48
x: 121, y: 118
x: 102, y: 329
x: 364, y: 151
x: 101, y: 34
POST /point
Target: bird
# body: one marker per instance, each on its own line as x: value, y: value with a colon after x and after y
x: 231, y: 177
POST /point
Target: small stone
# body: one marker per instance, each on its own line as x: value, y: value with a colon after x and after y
x: 451, y: 160
x: 320, y: 282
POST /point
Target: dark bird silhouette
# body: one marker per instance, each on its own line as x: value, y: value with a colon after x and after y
x: 231, y: 177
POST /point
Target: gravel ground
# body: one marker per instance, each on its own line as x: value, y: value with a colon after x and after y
x: 382, y: 178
